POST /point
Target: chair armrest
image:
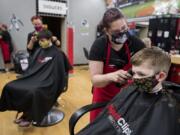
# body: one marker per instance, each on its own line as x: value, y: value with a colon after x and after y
x: 171, y: 85
x: 80, y: 112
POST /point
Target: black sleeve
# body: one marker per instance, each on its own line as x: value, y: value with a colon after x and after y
x: 29, y: 37
x: 28, y: 40
x: 6, y: 36
x: 98, y: 49
x: 135, y: 44
x: 8, y: 39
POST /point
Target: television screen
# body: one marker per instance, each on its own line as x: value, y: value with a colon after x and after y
x: 142, y: 8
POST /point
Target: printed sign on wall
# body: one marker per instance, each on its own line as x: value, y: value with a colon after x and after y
x: 15, y: 23
x: 52, y: 7
x: 84, y: 29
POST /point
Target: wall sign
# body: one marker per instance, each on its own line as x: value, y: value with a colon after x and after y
x: 51, y: 8
x: 15, y: 23
x: 84, y: 29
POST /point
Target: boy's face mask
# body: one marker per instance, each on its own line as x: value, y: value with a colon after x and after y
x: 44, y: 43
x: 146, y: 84
x: 119, y: 38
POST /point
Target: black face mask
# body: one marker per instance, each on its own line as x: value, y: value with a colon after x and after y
x: 119, y: 38
x: 146, y: 84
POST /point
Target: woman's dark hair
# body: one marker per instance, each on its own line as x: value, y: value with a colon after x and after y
x: 110, y: 16
x: 44, y: 34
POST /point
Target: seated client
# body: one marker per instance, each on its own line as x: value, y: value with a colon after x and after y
x: 37, y: 90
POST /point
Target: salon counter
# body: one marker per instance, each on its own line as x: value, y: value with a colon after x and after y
x: 175, y: 59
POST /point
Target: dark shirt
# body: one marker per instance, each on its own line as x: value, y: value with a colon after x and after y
x: 36, y: 44
x: 7, y: 38
x: 119, y: 58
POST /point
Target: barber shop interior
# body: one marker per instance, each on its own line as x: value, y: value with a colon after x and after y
x: 90, y: 67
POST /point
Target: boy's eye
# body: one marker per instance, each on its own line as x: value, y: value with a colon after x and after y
x: 139, y: 74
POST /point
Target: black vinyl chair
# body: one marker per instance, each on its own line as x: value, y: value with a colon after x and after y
x: 86, y: 53
x: 20, y: 61
x: 55, y: 115
x: 171, y: 85
x: 79, y: 113
x: 85, y: 109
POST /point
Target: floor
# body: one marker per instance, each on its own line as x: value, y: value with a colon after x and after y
x: 77, y: 95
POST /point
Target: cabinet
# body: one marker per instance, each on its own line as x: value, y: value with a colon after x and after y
x: 164, y: 32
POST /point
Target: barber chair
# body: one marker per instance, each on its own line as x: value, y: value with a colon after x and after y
x: 79, y: 113
x: 21, y: 61
x: 54, y: 116
x: 86, y: 53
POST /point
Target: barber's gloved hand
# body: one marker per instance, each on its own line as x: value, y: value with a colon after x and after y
x: 56, y: 41
x: 119, y: 76
x: 125, y: 76
x: 54, y: 38
x: 33, y: 39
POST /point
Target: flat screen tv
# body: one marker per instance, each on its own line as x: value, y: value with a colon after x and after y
x: 143, y: 8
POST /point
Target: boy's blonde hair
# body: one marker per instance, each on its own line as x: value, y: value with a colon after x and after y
x: 158, y: 59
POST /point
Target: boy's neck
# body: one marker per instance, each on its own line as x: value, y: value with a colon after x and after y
x: 157, y: 88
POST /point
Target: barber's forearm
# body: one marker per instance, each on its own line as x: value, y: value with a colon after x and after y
x: 30, y: 45
x: 101, y: 80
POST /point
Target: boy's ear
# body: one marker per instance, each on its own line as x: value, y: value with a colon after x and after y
x: 162, y: 76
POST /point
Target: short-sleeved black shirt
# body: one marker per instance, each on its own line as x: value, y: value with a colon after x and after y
x: 119, y: 58
x: 36, y: 44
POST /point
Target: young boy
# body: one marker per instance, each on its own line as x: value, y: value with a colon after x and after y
x: 144, y: 107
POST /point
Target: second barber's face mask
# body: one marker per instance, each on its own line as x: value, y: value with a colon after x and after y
x: 146, y: 84
x: 119, y: 38
x: 38, y: 28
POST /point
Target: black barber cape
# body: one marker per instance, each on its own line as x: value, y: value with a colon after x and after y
x: 138, y: 113
x: 38, y: 89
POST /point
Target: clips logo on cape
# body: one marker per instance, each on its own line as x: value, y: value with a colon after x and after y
x: 118, y: 122
x: 44, y: 60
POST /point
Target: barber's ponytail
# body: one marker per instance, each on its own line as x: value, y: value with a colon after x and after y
x: 100, y: 27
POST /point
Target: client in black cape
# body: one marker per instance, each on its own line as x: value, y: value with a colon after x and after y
x: 145, y: 107
x: 37, y: 90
